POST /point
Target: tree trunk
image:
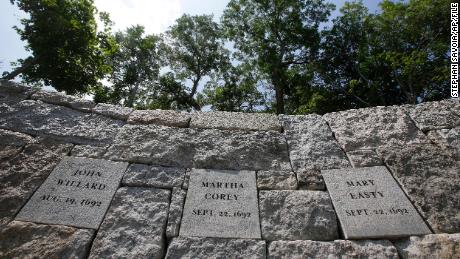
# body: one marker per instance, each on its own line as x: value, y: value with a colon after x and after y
x: 195, y: 105
x: 19, y: 70
x: 279, y: 90
x: 132, y: 96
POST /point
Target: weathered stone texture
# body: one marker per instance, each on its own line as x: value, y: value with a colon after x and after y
x: 430, y: 177
x: 160, y: 117
x: 11, y: 93
x: 436, y: 115
x: 442, y: 246
x: 364, y: 158
x: 311, y: 180
x: 448, y: 139
x: 373, y: 127
x: 89, y: 151
x: 58, y: 122
x: 113, y: 111
x: 311, y: 143
x: 175, y: 212
x: 235, y: 121
x: 30, y: 240
x: 21, y: 175
x: 297, y: 215
x: 301, y: 249
x: 134, y: 226
x: 64, y: 100
x: 140, y: 175
x: 213, y: 149
x: 276, y: 180
x: 213, y: 248
x: 11, y: 143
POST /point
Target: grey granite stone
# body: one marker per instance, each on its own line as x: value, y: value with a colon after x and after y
x: 11, y: 93
x: 373, y: 127
x: 113, y: 111
x: 88, y: 151
x: 77, y: 193
x: 221, y: 204
x: 311, y: 180
x: 235, y: 121
x: 295, y: 215
x: 430, y: 177
x: 160, y: 117
x: 30, y: 240
x: 443, y: 246
x: 64, y: 100
x: 23, y: 173
x: 337, y: 249
x: 448, y: 139
x: 311, y: 143
x: 364, y: 158
x: 370, y: 204
x: 175, y: 212
x: 213, y: 248
x: 186, y: 178
x: 141, y: 175
x: 58, y: 122
x: 276, y: 180
x: 134, y: 226
x: 436, y: 115
x: 186, y: 148
x: 12, y: 143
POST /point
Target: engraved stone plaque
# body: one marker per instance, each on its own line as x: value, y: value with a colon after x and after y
x: 77, y: 193
x: 221, y: 203
x: 370, y: 204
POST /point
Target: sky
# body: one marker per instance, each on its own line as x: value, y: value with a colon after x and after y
x: 155, y: 15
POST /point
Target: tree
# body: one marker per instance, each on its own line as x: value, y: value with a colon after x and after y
x: 135, y: 68
x: 66, y: 51
x: 275, y: 36
x: 193, y: 49
x: 234, y: 89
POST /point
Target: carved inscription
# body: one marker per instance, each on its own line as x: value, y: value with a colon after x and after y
x: 77, y: 193
x: 370, y: 204
x: 221, y: 204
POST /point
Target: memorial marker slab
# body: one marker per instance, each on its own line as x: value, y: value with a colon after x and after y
x: 370, y: 204
x: 77, y: 193
x: 221, y: 203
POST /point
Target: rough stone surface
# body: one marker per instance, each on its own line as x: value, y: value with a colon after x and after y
x: 235, y: 121
x: 448, y: 139
x: 297, y: 215
x: 64, y: 100
x: 370, y: 204
x: 11, y: 143
x: 436, y: 115
x: 442, y: 246
x: 364, y: 158
x: 221, y: 203
x: 311, y: 143
x: 186, y: 148
x: 373, y: 127
x: 213, y: 248
x: 140, y: 175
x: 89, y: 151
x: 134, y: 225
x: 175, y: 212
x: 62, y: 123
x: 30, y: 240
x: 311, y: 180
x: 276, y: 180
x: 160, y: 117
x: 77, y: 193
x: 22, y: 174
x: 301, y: 249
x: 430, y: 177
x: 113, y: 111
x: 11, y: 93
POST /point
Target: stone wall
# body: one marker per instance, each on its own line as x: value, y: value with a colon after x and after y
x: 419, y: 144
